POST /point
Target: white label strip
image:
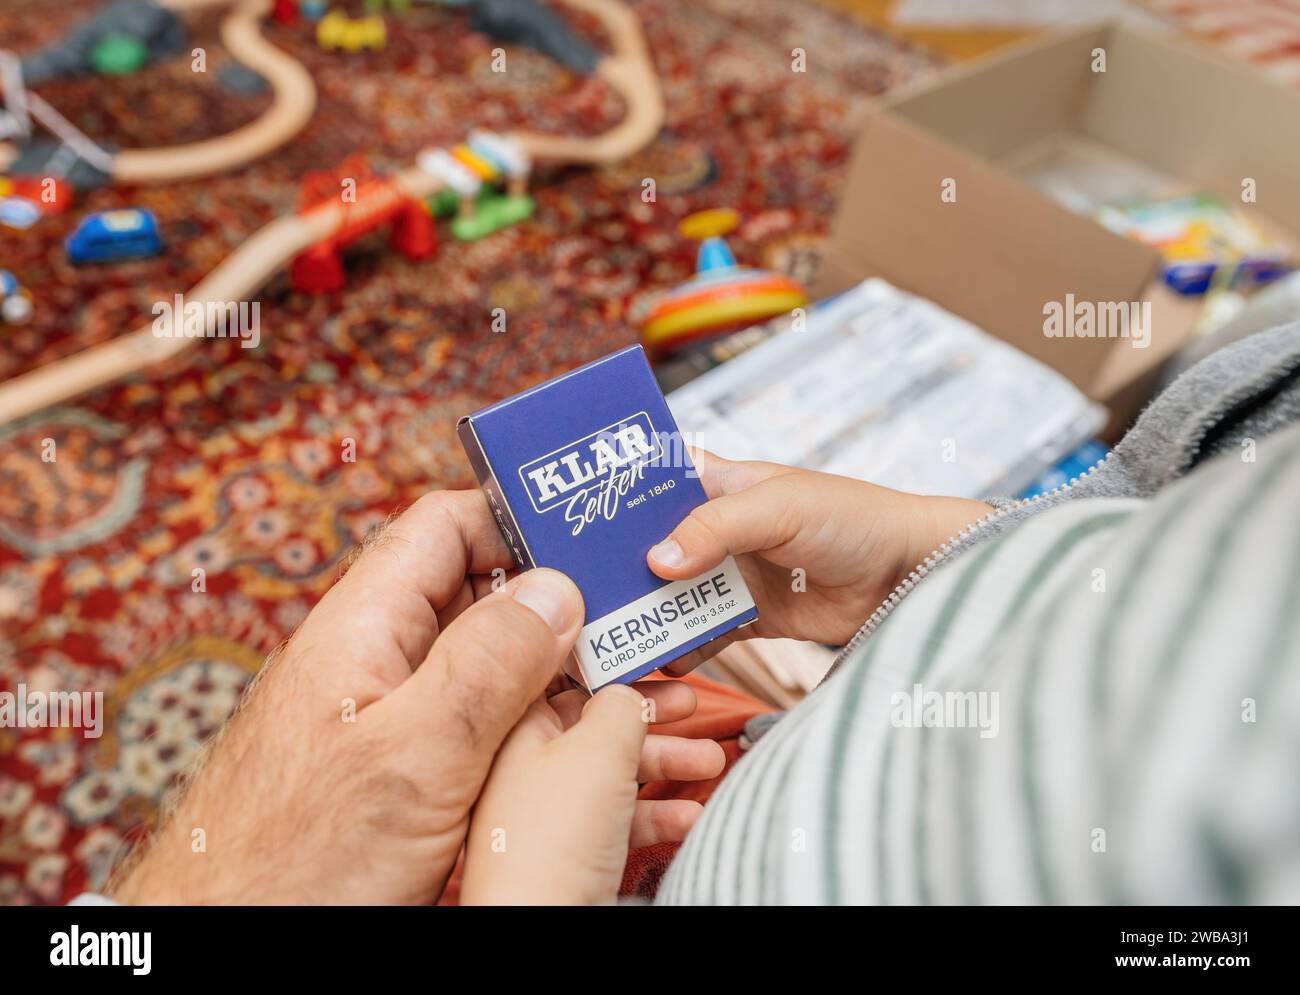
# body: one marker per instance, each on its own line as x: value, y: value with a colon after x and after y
x: 661, y: 621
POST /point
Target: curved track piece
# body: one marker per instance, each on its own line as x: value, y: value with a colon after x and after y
x: 629, y: 71
x: 294, y: 101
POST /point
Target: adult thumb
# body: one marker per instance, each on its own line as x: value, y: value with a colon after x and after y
x: 489, y: 664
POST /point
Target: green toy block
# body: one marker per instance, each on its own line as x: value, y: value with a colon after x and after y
x: 492, y: 212
x: 444, y: 203
x: 118, y: 55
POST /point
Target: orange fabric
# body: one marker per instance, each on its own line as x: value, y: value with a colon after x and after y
x: 721, y: 714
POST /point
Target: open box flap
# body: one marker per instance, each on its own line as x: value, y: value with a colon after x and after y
x: 995, y: 256
x: 1190, y: 112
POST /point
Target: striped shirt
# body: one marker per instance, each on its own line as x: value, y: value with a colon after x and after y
x: 1102, y: 705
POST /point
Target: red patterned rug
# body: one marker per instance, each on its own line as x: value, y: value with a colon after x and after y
x: 229, y: 459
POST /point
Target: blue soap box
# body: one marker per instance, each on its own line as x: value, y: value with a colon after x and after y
x: 584, y: 473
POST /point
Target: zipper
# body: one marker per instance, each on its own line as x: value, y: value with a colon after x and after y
x: 940, y: 555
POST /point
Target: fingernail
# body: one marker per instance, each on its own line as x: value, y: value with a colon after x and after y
x: 667, y: 553
x: 549, y: 594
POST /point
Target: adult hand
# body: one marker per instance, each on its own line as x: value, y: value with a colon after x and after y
x: 349, y: 771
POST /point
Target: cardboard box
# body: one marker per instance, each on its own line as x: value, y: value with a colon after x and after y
x: 584, y: 473
x: 1001, y: 250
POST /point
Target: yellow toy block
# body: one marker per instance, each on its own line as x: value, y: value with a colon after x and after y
x: 467, y: 157
x: 338, y: 31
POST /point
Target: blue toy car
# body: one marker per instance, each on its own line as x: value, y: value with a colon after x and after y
x: 106, y: 236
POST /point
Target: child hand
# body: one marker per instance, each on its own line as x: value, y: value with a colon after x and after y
x: 559, y: 810
x: 854, y: 543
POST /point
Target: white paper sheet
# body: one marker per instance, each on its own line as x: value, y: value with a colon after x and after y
x: 885, y: 386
